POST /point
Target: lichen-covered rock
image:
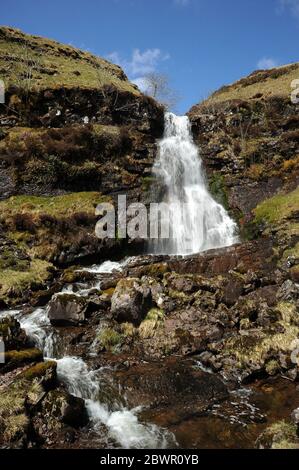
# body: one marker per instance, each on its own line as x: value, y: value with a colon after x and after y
x: 130, y: 301
x: 59, y: 406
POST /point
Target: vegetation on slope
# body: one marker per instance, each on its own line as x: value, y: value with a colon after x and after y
x: 261, y: 83
x: 33, y: 61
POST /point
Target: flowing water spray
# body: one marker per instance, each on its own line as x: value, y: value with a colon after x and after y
x: 197, y: 221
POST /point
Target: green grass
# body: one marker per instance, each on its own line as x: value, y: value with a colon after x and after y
x: 109, y: 339
x: 58, y: 206
x: 55, y: 64
x: 278, y: 208
x: 263, y: 83
x: 19, y: 281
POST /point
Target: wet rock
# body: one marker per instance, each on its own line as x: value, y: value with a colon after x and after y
x: 67, y: 309
x: 255, y: 255
x: 130, y: 301
x: 190, y: 389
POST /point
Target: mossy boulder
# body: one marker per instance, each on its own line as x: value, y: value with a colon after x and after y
x: 18, y: 400
x: 280, y: 435
x: 15, y: 359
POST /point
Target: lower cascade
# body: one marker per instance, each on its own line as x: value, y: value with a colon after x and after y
x: 122, y: 424
x: 197, y: 222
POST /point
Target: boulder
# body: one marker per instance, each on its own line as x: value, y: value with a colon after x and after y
x: 69, y: 409
x: 67, y: 309
x: 130, y: 301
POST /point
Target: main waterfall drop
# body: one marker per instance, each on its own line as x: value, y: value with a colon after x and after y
x: 197, y: 221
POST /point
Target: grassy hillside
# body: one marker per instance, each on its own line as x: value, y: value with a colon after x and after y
x: 41, y: 63
x: 260, y: 84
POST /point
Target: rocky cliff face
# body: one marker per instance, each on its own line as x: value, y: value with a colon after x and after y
x: 71, y: 124
x: 248, y: 136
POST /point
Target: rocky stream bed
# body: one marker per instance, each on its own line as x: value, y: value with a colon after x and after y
x: 113, y: 358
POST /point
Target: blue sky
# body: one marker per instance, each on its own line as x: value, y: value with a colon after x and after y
x: 200, y: 44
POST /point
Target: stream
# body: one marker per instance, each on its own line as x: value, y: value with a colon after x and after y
x: 234, y: 423
x: 122, y: 424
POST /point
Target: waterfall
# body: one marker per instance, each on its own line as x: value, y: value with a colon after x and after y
x: 197, y: 222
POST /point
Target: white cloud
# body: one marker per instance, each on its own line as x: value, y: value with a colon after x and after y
x: 145, y: 62
x: 291, y: 5
x: 267, y: 63
x: 140, y: 62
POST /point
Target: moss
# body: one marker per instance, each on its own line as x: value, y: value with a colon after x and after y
x: 256, y: 171
x: 175, y: 294
x: 280, y: 435
x: 39, y: 370
x: 128, y: 330
x: 219, y: 190
x: 291, y: 165
x: 292, y: 252
x: 14, y: 282
x: 272, y: 367
x: 16, y: 400
x: 109, y: 292
x: 278, y: 208
x: 16, y: 358
x: 9, y: 260
x: 155, y: 314
x: 15, y: 427
x: 58, y: 206
x: 147, y: 182
x: 109, y: 339
x: 255, y: 351
x: 288, y: 312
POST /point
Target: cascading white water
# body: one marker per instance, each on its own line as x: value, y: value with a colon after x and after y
x: 122, y: 423
x: 197, y: 221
